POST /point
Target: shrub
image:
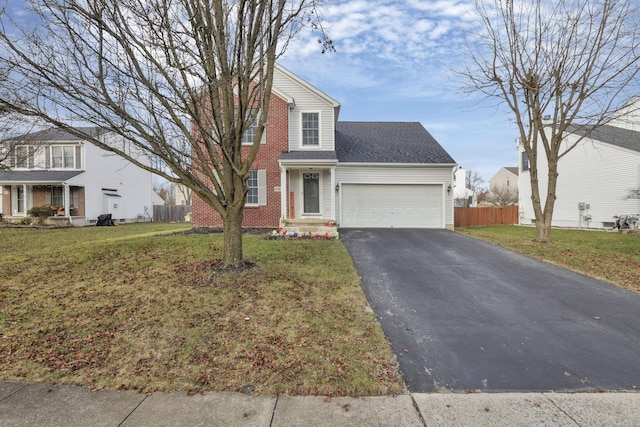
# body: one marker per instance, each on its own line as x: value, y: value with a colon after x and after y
x: 40, y: 211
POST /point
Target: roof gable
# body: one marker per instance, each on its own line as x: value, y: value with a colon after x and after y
x: 388, y: 142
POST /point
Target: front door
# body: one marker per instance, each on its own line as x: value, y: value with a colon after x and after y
x: 311, y: 189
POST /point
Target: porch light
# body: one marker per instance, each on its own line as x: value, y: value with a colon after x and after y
x: 449, y: 189
x: 337, y: 187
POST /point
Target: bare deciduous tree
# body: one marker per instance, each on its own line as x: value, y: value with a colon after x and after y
x: 473, y: 181
x: 570, y: 61
x: 13, y: 129
x: 501, y: 195
x: 179, y: 80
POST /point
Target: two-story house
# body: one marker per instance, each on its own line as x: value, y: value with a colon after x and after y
x: 313, y: 170
x: 596, y: 179
x: 78, y: 180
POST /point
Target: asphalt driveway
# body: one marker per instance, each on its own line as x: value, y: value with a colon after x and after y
x: 463, y: 314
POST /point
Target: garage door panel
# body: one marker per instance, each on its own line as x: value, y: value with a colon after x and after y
x: 391, y: 205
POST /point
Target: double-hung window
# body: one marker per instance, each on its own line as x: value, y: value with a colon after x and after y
x: 63, y: 157
x: 23, y: 157
x: 257, y: 185
x: 310, y: 129
x: 250, y: 133
x: 252, y: 183
x: 525, y: 161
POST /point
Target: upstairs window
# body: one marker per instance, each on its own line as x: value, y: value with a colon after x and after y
x: 63, y: 157
x: 525, y: 161
x: 23, y: 157
x: 310, y: 129
x: 250, y: 133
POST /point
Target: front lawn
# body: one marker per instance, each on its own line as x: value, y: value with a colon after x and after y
x: 127, y: 308
x: 607, y: 256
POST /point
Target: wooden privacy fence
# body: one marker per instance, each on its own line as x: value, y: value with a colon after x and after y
x: 475, y: 217
x: 170, y: 213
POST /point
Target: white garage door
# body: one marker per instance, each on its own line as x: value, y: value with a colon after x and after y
x: 391, y: 205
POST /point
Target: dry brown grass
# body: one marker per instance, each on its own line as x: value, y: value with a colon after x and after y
x: 120, y: 307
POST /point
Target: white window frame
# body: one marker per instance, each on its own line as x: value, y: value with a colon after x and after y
x: 62, y: 147
x: 260, y: 188
x: 253, y: 189
x: 302, y: 129
x: 30, y: 156
x: 254, y: 128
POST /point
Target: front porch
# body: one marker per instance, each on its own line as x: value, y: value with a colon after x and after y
x: 313, y: 226
x: 307, y: 185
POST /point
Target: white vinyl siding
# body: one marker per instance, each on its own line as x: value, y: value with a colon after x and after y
x: 392, y: 205
x: 307, y: 101
x: 596, y: 173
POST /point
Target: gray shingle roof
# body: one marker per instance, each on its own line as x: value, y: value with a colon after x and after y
x: 37, y: 176
x: 388, y: 142
x: 613, y: 135
x: 59, y: 135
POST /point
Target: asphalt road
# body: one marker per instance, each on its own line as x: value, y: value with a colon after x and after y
x: 463, y: 314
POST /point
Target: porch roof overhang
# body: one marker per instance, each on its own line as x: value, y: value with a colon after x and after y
x: 308, y: 158
x: 36, y: 177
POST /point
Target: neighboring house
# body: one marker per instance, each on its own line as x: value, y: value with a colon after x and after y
x: 595, y: 178
x: 463, y: 196
x: 313, y: 169
x: 503, y: 187
x: 78, y: 180
x: 182, y: 194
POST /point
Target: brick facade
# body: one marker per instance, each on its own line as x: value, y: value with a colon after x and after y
x: 277, y: 141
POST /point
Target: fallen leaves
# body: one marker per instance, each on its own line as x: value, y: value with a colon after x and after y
x: 151, y: 315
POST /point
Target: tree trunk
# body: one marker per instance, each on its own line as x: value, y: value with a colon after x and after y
x: 543, y: 224
x: 233, y: 238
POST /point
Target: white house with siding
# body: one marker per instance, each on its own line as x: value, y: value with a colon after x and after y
x: 595, y: 178
x: 75, y: 178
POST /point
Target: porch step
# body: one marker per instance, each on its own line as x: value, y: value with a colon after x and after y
x: 304, y: 229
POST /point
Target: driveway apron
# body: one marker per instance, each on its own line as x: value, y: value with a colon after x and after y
x: 462, y: 314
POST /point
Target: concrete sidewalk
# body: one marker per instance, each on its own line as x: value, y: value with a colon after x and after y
x: 24, y: 404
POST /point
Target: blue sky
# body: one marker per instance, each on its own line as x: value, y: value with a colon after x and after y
x: 394, y: 62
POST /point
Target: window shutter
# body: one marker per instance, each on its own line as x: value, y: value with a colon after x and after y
x: 78, y: 157
x: 31, y: 156
x: 47, y: 157
x: 262, y: 187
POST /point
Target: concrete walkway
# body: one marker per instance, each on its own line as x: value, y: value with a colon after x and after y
x: 24, y: 404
